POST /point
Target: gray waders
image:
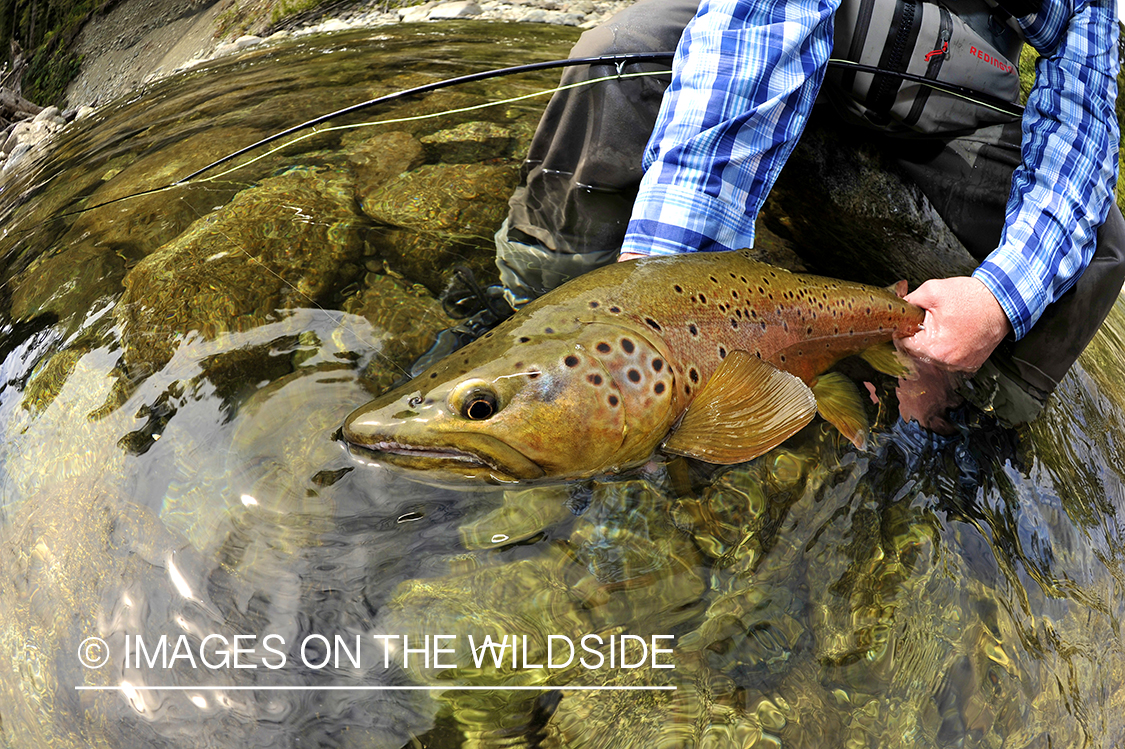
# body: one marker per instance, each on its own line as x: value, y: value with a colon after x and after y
x: 578, y: 183
x: 571, y: 209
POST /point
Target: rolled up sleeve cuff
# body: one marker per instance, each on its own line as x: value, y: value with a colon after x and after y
x: 670, y: 219
x: 1022, y: 303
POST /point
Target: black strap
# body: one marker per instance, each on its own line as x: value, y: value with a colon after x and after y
x: 859, y: 38
x: 1020, y: 8
x: 936, y: 57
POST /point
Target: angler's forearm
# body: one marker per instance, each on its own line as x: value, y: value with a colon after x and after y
x: 744, y: 81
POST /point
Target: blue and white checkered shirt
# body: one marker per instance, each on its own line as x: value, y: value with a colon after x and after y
x: 744, y: 80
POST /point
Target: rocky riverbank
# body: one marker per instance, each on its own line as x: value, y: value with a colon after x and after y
x: 141, y: 41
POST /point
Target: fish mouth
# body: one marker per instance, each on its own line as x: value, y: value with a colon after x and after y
x: 482, y: 458
x: 418, y: 451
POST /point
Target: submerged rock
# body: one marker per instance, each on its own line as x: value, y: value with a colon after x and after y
x: 291, y: 241
x: 439, y: 216
x: 424, y: 258
x: 67, y: 284
x: 457, y: 201
x: 436, y: 111
x: 404, y: 319
x: 468, y: 143
x: 524, y: 514
x: 854, y: 214
x: 704, y: 710
x: 383, y: 157
x: 91, y: 258
x: 624, y: 568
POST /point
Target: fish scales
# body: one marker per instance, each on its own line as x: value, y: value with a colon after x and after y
x: 593, y: 376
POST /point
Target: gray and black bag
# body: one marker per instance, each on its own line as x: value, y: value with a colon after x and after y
x: 970, y: 49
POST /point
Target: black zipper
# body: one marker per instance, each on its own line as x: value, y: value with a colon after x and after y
x: 881, y: 98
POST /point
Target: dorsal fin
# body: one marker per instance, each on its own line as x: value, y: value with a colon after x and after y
x: 899, y: 288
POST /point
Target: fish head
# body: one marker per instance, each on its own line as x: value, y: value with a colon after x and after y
x: 512, y: 408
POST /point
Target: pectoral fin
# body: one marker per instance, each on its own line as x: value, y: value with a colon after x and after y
x: 885, y: 358
x: 747, y: 408
x: 838, y: 402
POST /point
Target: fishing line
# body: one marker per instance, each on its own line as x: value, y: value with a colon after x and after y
x: 971, y: 95
x: 618, y: 61
x: 398, y: 120
x: 191, y: 178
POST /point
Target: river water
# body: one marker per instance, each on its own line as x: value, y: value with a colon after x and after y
x: 188, y: 556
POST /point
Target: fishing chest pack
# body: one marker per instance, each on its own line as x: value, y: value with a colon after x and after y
x: 968, y: 47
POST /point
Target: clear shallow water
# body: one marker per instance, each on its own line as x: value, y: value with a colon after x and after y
x: 175, y: 366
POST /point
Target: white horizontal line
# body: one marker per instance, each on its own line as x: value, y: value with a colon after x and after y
x: 293, y: 688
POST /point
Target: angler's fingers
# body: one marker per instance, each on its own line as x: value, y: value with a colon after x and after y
x: 920, y: 344
x: 963, y: 324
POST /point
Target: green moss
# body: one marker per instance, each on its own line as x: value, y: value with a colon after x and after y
x: 1121, y: 145
x: 1027, y: 71
x: 49, y: 73
x: 46, y: 30
x: 263, y: 16
x: 287, y: 8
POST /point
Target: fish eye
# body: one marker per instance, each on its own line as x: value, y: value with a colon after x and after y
x: 480, y: 406
x: 475, y: 400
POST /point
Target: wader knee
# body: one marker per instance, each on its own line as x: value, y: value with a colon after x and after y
x: 1018, y: 377
x: 569, y: 213
x: 528, y: 271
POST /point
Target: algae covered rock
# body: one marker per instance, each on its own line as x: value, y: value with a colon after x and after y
x: 468, y: 143
x: 422, y: 256
x: 695, y: 708
x: 457, y: 201
x: 404, y: 320
x: 291, y: 241
x: 66, y: 284
x: 135, y: 222
x: 383, y: 157
x: 436, y: 111
x: 524, y: 514
x: 624, y: 572
x: 438, y: 216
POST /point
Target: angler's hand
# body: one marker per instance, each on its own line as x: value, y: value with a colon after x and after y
x: 964, y: 323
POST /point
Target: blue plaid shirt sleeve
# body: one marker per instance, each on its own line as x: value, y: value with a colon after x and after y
x: 744, y: 79
x: 1063, y: 190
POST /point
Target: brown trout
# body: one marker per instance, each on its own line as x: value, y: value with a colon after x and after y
x: 710, y: 355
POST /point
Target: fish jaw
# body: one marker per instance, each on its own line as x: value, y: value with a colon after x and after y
x: 519, y: 406
x: 481, y: 457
